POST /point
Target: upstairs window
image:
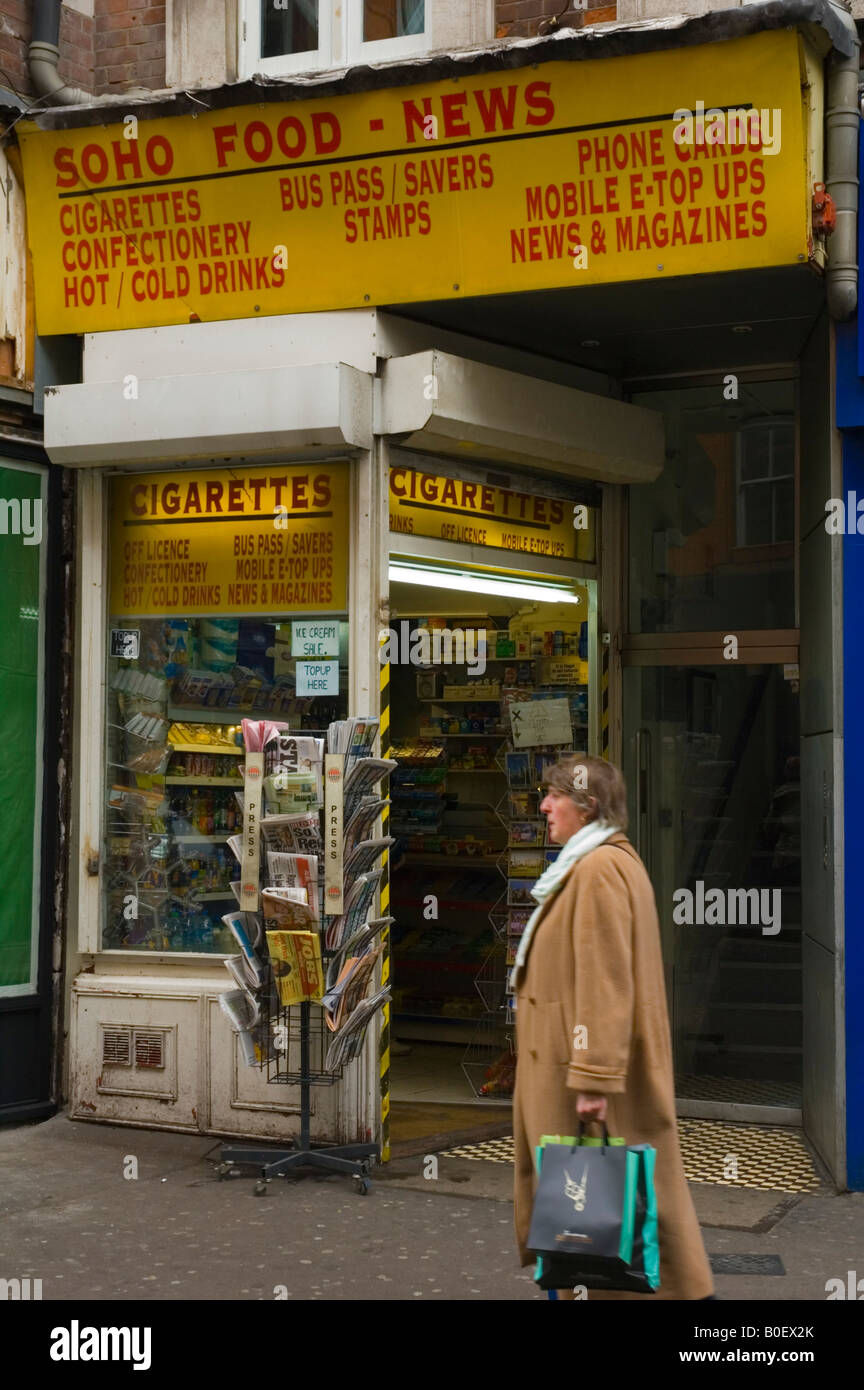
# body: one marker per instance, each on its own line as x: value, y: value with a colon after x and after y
x: 280, y: 37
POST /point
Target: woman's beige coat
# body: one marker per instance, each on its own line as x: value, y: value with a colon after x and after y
x: 591, y: 1016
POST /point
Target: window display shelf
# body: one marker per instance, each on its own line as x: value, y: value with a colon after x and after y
x: 192, y: 836
x: 445, y: 904
x: 434, y: 737
x: 172, y: 781
x: 207, y: 748
x: 210, y: 714
x: 460, y: 700
x: 474, y: 770
x: 489, y: 861
x: 209, y: 897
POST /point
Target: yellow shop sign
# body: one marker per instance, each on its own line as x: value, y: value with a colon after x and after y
x: 450, y: 509
x: 251, y: 540
x: 560, y: 174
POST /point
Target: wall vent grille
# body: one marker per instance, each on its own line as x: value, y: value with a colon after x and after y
x: 149, y: 1048
x: 117, y: 1047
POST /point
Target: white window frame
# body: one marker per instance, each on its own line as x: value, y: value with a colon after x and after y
x: 285, y: 63
x: 742, y: 485
x: 357, y: 50
x: 340, y: 43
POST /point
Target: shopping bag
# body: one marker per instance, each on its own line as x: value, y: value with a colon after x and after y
x: 594, y: 1220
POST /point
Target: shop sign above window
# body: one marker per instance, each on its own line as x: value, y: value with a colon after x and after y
x: 251, y: 540
x: 475, y: 185
x: 465, y: 513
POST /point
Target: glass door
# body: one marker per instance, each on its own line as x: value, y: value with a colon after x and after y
x: 711, y: 736
x: 715, y: 813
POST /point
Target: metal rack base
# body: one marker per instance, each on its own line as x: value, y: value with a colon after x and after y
x: 354, y: 1159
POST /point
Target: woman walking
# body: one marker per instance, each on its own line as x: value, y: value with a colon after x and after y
x: 592, y: 1026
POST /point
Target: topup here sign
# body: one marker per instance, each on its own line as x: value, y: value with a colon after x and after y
x: 557, y: 175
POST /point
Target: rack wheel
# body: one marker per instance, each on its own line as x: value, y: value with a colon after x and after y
x: 367, y: 1164
x: 361, y: 1185
x: 224, y: 1171
x: 260, y: 1187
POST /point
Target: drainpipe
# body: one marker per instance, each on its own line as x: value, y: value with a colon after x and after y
x: 842, y: 120
x: 44, y: 54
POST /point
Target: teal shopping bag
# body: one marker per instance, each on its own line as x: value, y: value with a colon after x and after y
x: 594, y: 1220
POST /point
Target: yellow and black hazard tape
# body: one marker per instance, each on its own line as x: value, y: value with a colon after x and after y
x: 384, y: 1042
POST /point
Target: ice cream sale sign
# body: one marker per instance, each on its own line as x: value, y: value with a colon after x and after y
x: 558, y: 174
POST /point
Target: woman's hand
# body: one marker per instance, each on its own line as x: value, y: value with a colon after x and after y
x: 590, y: 1105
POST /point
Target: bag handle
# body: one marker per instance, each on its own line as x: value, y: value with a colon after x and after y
x: 581, y: 1132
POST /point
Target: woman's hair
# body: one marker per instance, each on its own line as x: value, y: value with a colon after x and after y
x: 593, y: 784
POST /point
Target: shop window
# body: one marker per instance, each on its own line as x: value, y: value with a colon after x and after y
x: 194, y: 557
x: 711, y: 540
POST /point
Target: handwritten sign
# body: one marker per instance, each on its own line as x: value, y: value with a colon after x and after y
x: 537, y: 722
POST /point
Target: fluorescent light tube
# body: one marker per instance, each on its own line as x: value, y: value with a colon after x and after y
x: 480, y: 584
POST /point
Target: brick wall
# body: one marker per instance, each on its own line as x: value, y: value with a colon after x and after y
x: 519, y: 19
x: 77, y: 49
x: 122, y: 45
x: 14, y: 37
x: 130, y: 44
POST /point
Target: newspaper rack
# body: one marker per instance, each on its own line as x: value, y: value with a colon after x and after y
x: 294, y: 1041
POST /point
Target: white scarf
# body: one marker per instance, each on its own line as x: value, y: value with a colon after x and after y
x: 589, y: 837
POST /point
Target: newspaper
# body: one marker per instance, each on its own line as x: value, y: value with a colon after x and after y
x: 362, y: 777
x: 350, y: 987
x: 295, y: 871
x: 295, y: 957
x: 348, y: 1040
x: 294, y: 834
x: 355, y: 738
x: 365, y: 856
x: 288, y: 909
x: 237, y: 922
x: 358, y: 943
x: 243, y: 1014
x: 358, y: 901
x: 242, y: 973
x: 297, y: 758
x: 362, y: 821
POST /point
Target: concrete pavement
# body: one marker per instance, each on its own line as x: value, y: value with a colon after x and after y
x: 70, y: 1217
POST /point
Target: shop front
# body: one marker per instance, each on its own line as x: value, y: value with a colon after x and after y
x: 500, y: 379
